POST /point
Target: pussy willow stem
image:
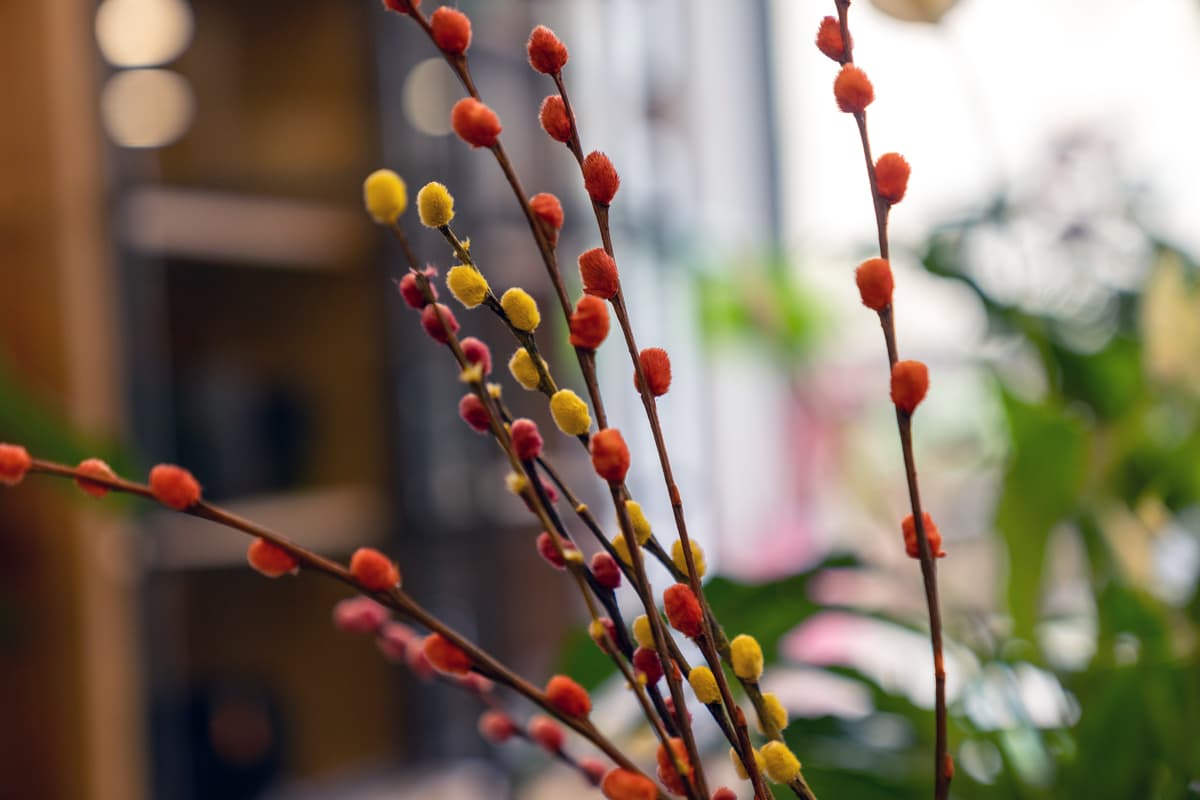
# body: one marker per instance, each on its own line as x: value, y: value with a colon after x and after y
x: 395, y: 599
x: 941, y: 766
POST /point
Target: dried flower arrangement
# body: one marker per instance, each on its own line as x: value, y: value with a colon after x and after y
x: 645, y: 652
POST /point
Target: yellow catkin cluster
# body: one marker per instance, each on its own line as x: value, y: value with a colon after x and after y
x: 637, y: 519
x: 697, y: 558
x: 570, y: 413
x: 622, y: 549
x: 516, y: 482
x: 775, y: 713
x: 523, y: 370
x: 782, y: 766
x: 385, y: 196
x: 521, y: 309
x: 467, y: 284
x: 740, y: 768
x: 641, y: 630
x: 435, y: 205
x: 704, y: 684
x: 747, y: 657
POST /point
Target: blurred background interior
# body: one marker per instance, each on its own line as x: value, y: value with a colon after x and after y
x: 186, y: 275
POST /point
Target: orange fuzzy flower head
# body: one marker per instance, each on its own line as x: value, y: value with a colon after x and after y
x: 605, y: 570
x: 547, y: 733
x: 526, y: 439
x: 547, y: 53
x: 174, y: 486
x: 271, y: 559
x: 496, y: 726
x: 549, y: 211
x: 891, y: 177
x: 875, y: 284
x: 647, y: 662
x: 374, y: 571
x: 568, y: 696
x: 600, y: 177
x: 656, y: 366
x: 554, y: 556
x: 451, y: 30
x: 359, y: 615
x: 599, y: 273
x: 829, y: 39
x: 96, y: 468
x: 623, y: 784
x: 14, y: 463
x: 445, y: 656
x: 589, y: 322
x: 683, y: 610
x: 853, y: 90
x: 475, y: 123
x: 666, y: 766
x: 910, y: 382
x: 912, y: 546
x: 554, y: 119
x: 594, y: 768
x: 610, y: 455
x: 433, y: 325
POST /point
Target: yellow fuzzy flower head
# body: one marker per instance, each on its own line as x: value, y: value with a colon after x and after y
x: 467, y: 284
x: 521, y: 309
x: 697, y: 557
x: 523, y: 370
x: 782, y: 766
x: 570, y: 413
x: 747, y: 657
x: 641, y: 628
x: 622, y: 549
x: 704, y: 684
x: 385, y: 196
x: 741, y: 768
x: 776, y: 714
x: 435, y: 204
x: 637, y: 519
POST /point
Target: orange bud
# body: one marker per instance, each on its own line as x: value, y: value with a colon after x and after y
x: 606, y: 571
x: 547, y: 733
x: 412, y: 293
x: 853, y: 90
x: 270, y: 559
x: 547, y: 550
x: 360, y: 615
x: 910, y: 382
x: 610, y: 455
x: 374, y: 571
x: 474, y: 413
x: 433, y: 326
x: 445, y: 656
x: 401, y: 6
x: 948, y: 767
x: 622, y: 784
x: 526, y: 439
x: 549, y: 211
x: 683, y: 610
x: 496, y: 726
x: 724, y: 793
x: 647, y: 662
x: 656, y: 366
x: 554, y: 119
x: 600, y: 177
x: 593, y: 768
x: 599, y: 273
x: 547, y: 54
x: 477, y: 352
x: 875, y: 284
x: 451, y: 30
x: 891, y: 177
x: 475, y: 123
x: 174, y: 486
x: 589, y: 322
x: 912, y: 546
x: 14, y: 463
x: 666, y: 765
x: 568, y: 696
x: 96, y: 467
x: 829, y: 39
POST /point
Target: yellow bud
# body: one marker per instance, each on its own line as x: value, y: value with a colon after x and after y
x: 747, y: 657
x: 697, y: 557
x: 641, y: 629
x: 573, y: 555
x: 435, y: 205
x: 741, y: 768
x: 385, y: 196
x: 622, y: 549
x: 467, y: 284
x: 494, y: 390
x: 782, y: 766
x: 775, y: 713
x: 596, y: 630
x: 704, y: 684
x: 570, y: 413
x: 521, y: 309
x: 641, y: 525
x: 516, y: 482
x: 522, y: 369
x: 472, y: 374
